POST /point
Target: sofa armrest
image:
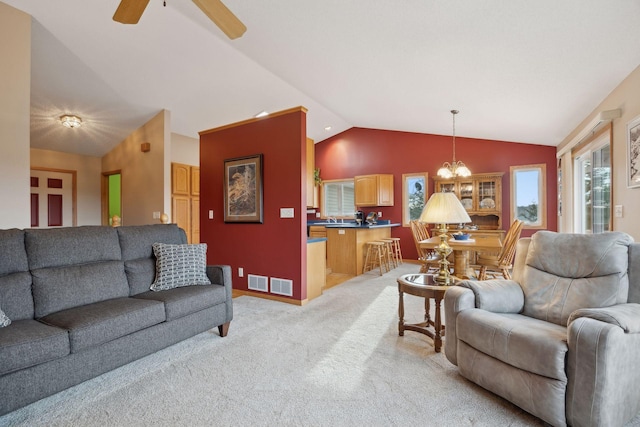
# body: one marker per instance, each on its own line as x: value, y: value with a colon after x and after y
x: 498, y: 296
x: 602, y: 370
x: 456, y: 299
x: 221, y: 275
x: 625, y: 316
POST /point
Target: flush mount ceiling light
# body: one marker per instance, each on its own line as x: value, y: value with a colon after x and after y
x: 70, y: 121
x: 453, y: 169
x: 261, y: 114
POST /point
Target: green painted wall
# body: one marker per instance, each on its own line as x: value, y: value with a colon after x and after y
x: 114, y: 196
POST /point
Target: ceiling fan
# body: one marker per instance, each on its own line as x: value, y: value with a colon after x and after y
x: 130, y: 11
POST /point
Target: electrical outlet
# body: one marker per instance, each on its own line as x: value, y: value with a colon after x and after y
x: 379, y: 214
x: 210, y: 214
x: 240, y: 272
x: 317, y: 214
x: 156, y: 215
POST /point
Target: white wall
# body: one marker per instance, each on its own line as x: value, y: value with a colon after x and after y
x: 146, y: 177
x: 626, y: 96
x: 15, y: 98
x: 89, y: 173
x: 185, y: 150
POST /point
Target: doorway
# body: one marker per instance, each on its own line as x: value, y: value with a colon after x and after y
x: 112, y: 198
x: 53, y: 198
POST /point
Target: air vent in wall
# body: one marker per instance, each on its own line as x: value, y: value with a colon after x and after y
x: 281, y: 286
x: 258, y: 283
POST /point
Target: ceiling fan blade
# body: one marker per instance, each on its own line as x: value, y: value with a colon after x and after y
x: 130, y: 11
x: 222, y: 17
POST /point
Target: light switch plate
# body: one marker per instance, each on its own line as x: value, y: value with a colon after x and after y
x: 618, y: 211
x: 210, y: 214
x: 286, y: 212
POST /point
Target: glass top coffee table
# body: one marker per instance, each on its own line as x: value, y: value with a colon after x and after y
x: 422, y: 285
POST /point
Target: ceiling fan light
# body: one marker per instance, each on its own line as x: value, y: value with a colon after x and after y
x: 70, y: 121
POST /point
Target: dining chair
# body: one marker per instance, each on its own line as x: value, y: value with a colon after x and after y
x: 428, y: 258
x: 493, y: 265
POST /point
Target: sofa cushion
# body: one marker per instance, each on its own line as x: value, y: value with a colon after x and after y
x: 4, y: 320
x: 14, y: 256
x: 136, y: 240
x: 180, y: 302
x: 140, y: 274
x: 60, y: 288
x: 523, y: 342
x: 16, y: 299
x: 56, y: 247
x: 137, y: 252
x: 180, y: 265
x: 28, y: 343
x: 566, y: 272
x: 94, y: 324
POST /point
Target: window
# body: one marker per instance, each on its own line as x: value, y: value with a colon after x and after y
x: 338, y: 198
x: 592, y: 182
x: 528, y: 195
x: 414, y: 196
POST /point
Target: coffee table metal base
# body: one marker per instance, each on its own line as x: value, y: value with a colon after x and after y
x: 422, y: 285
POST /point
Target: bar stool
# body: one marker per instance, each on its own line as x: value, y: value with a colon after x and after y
x: 396, y: 249
x: 390, y: 254
x: 374, y: 256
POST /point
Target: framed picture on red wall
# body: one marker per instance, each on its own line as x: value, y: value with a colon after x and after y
x: 243, y: 189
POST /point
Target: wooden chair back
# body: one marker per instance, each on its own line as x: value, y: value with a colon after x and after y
x: 420, y: 232
x: 508, y: 251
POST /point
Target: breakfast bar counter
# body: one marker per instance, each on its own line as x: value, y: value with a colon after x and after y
x: 346, y: 241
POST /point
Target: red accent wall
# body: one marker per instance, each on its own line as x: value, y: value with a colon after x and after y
x: 359, y: 151
x: 278, y: 246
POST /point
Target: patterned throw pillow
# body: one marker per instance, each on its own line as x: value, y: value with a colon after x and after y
x: 180, y: 265
x: 4, y: 320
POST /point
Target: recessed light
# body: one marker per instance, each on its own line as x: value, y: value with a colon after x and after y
x: 327, y: 128
x: 70, y: 121
x: 261, y: 114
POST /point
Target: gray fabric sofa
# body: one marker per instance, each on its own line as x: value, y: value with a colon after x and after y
x: 562, y: 339
x: 80, y: 305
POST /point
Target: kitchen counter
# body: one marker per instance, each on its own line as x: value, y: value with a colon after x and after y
x: 316, y: 239
x: 352, y: 224
x: 346, y: 244
x: 356, y: 226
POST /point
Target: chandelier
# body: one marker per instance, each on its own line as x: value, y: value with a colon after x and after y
x: 455, y: 168
x: 70, y: 121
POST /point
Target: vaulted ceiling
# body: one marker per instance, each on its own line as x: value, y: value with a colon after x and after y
x: 523, y: 71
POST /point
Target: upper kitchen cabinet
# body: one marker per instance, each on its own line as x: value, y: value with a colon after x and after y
x: 312, y: 189
x: 374, y: 190
x: 481, y: 196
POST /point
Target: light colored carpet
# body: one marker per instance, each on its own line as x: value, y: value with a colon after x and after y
x: 336, y: 361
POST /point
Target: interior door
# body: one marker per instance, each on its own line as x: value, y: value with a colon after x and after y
x: 52, y: 199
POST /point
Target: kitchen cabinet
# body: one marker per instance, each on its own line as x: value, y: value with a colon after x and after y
x: 185, y: 199
x: 312, y: 189
x: 316, y: 268
x: 481, y: 196
x: 374, y: 190
x: 345, y: 247
x: 316, y: 231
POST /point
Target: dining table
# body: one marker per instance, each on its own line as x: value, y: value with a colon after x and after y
x: 461, y: 249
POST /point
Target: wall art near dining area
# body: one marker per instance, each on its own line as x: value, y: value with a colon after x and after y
x: 633, y: 153
x: 243, y: 189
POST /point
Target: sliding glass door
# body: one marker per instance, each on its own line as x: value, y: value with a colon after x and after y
x: 592, y: 201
